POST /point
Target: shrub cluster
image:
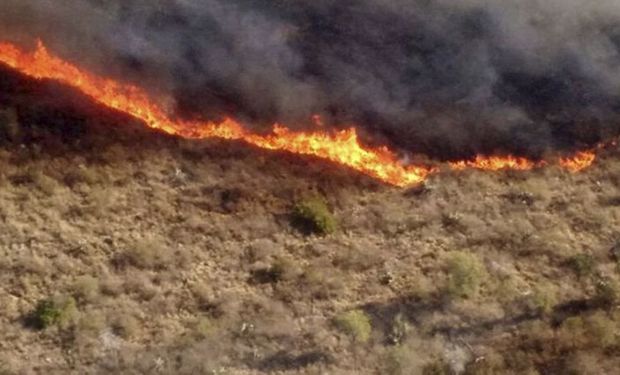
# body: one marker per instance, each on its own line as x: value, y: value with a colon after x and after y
x: 54, y: 311
x: 465, y: 274
x: 355, y: 323
x: 314, y: 215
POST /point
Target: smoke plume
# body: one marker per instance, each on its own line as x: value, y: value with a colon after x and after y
x: 442, y: 77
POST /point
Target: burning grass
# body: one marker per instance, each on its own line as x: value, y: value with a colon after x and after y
x: 343, y: 147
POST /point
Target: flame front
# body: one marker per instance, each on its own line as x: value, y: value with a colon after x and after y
x: 496, y: 163
x: 342, y: 147
x: 579, y: 161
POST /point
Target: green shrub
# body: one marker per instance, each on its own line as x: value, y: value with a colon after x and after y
x: 313, y: 215
x: 355, y: 323
x: 582, y: 264
x: 465, y: 274
x: 54, y: 311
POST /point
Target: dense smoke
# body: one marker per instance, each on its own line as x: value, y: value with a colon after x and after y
x: 442, y: 77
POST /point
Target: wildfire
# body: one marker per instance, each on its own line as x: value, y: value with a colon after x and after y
x: 342, y: 147
x: 496, y: 163
x: 579, y: 161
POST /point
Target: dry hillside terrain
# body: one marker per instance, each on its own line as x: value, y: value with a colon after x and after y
x: 126, y: 251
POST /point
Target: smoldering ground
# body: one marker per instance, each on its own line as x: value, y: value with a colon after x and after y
x: 441, y: 77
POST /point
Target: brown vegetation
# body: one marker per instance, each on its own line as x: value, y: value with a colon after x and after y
x: 137, y: 253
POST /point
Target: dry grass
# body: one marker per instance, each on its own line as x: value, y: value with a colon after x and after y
x: 182, y: 257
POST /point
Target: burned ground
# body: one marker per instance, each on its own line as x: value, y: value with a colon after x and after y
x: 127, y: 251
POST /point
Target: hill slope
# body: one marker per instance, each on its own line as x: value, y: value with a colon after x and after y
x: 127, y: 251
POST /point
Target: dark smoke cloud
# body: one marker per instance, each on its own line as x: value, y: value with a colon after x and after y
x: 443, y: 77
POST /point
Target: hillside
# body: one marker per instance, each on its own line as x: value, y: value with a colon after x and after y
x: 127, y: 251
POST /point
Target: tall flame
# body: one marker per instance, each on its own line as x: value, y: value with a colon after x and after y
x: 342, y: 147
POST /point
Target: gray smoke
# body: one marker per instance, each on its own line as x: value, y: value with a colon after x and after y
x: 443, y: 77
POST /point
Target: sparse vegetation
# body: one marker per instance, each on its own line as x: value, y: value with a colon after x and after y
x: 149, y: 252
x: 280, y: 269
x: 356, y: 324
x: 436, y: 368
x: 606, y: 290
x: 543, y: 298
x: 126, y: 326
x: 44, y: 183
x: 204, y: 327
x: 86, y: 288
x: 320, y: 283
x: 602, y: 331
x: 582, y: 264
x: 573, y: 332
x: 399, y: 360
x: 400, y: 328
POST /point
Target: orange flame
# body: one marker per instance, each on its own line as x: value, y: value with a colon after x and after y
x: 496, y: 163
x: 579, y: 161
x: 342, y: 147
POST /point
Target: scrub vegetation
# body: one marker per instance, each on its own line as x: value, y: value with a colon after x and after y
x: 127, y: 251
